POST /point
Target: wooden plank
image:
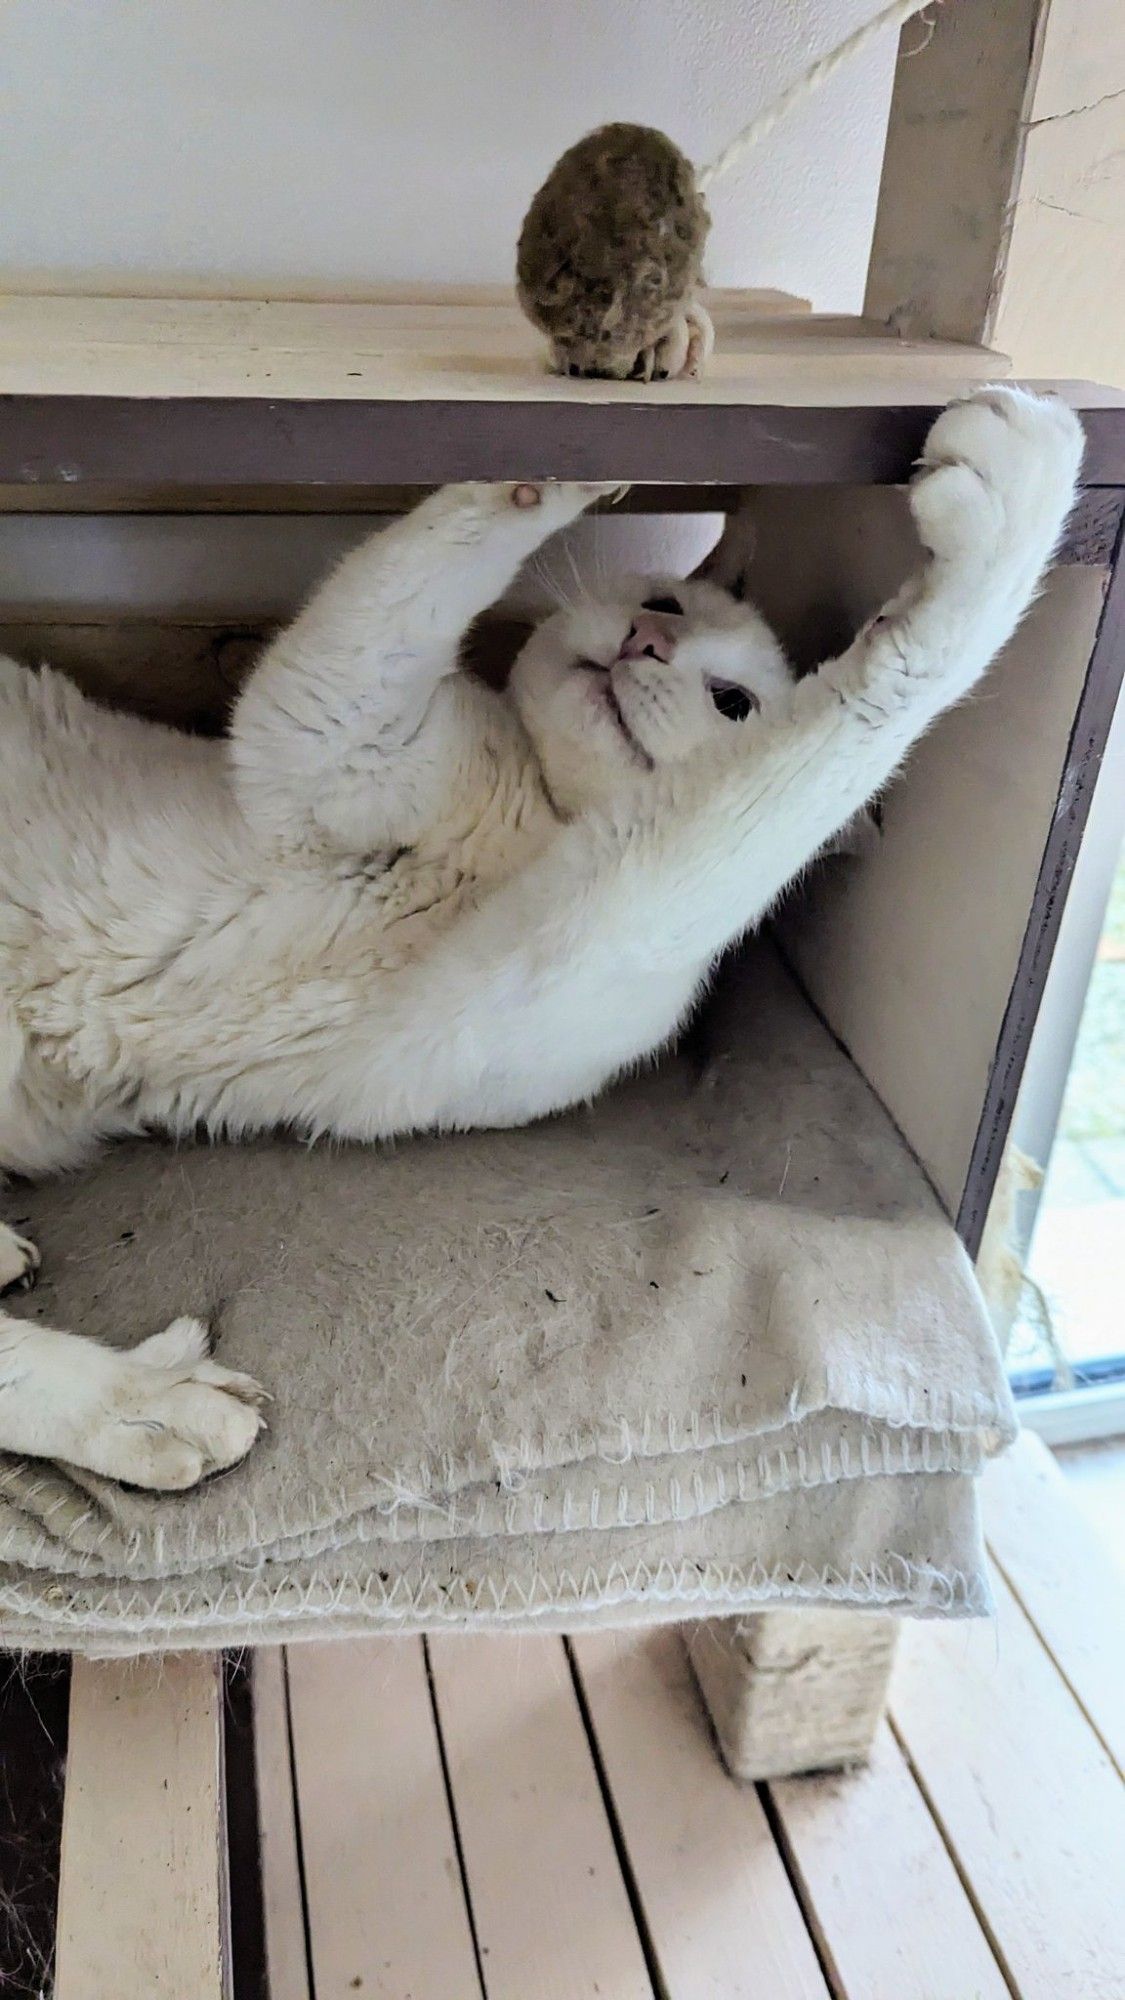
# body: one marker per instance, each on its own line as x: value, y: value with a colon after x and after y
x: 1059, y: 1573
x: 1029, y: 1803
x: 142, y: 1894
x: 370, y: 499
x: 951, y: 163
x: 881, y: 1892
x: 417, y: 349
x: 840, y: 430
x: 552, y: 1913
x: 758, y: 302
x: 386, y: 1912
x: 48, y: 442
x: 143, y: 395
x: 721, y: 1916
x: 282, y: 1902
x: 1001, y: 212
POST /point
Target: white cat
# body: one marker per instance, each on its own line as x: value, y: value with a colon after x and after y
x: 393, y: 900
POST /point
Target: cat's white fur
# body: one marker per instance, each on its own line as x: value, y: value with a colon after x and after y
x: 393, y: 900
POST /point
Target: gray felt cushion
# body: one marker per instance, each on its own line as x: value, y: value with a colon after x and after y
x: 708, y: 1345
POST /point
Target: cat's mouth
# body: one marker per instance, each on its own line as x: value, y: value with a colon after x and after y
x: 604, y: 695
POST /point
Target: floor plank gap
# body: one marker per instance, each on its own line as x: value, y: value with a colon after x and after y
x: 721, y: 1913
x: 458, y: 1844
x: 817, y: 1935
x: 963, y: 1874
x: 1056, y: 1569
x: 248, y: 1974
x: 632, y: 1890
x: 302, y: 1876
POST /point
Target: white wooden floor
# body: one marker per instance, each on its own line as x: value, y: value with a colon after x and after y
x: 532, y: 1819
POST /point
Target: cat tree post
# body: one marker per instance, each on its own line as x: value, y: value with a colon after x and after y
x: 112, y: 405
x: 793, y: 1690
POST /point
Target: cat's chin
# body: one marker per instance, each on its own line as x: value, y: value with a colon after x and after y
x: 602, y: 699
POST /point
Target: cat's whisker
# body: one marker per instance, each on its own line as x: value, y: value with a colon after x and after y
x: 583, y: 593
x: 550, y: 585
x: 597, y: 549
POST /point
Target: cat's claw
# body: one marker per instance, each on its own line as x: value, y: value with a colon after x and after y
x: 566, y: 495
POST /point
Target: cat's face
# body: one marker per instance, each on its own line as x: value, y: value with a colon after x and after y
x: 654, y: 674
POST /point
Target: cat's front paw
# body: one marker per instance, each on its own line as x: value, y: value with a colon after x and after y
x: 566, y: 498
x: 172, y: 1416
x: 996, y: 478
x: 19, y: 1261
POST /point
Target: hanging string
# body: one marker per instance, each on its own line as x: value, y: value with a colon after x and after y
x: 892, y: 16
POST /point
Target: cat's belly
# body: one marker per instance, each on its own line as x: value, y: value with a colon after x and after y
x: 156, y: 972
x: 366, y: 1012
x: 327, y: 1004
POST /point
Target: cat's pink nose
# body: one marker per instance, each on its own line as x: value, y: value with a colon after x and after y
x: 650, y: 638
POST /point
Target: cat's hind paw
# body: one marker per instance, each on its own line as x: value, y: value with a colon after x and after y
x: 19, y: 1261
x: 173, y: 1416
x: 996, y: 478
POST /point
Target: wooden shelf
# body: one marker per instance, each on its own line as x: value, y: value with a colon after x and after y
x: 179, y: 394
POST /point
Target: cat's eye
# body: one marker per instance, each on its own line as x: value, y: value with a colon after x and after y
x: 670, y: 605
x: 735, y: 702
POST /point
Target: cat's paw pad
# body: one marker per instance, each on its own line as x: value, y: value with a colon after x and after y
x: 565, y: 498
x: 997, y: 473
x: 19, y: 1261
x: 176, y: 1416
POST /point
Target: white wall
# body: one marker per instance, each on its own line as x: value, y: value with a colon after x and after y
x: 337, y: 143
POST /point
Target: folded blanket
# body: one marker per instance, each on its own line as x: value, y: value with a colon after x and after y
x: 708, y: 1346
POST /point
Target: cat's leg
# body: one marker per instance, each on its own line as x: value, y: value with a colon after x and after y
x: 709, y: 846
x: 992, y: 492
x: 161, y: 1415
x: 339, y: 736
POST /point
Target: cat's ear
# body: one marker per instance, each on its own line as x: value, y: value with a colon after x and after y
x: 729, y: 562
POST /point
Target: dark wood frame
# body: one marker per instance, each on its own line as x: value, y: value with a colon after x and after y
x: 82, y: 442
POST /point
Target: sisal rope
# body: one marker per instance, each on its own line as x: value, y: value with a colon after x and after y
x: 894, y: 15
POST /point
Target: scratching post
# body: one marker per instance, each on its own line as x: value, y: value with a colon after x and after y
x: 792, y: 1691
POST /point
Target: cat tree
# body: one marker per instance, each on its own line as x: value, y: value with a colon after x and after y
x: 924, y: 957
